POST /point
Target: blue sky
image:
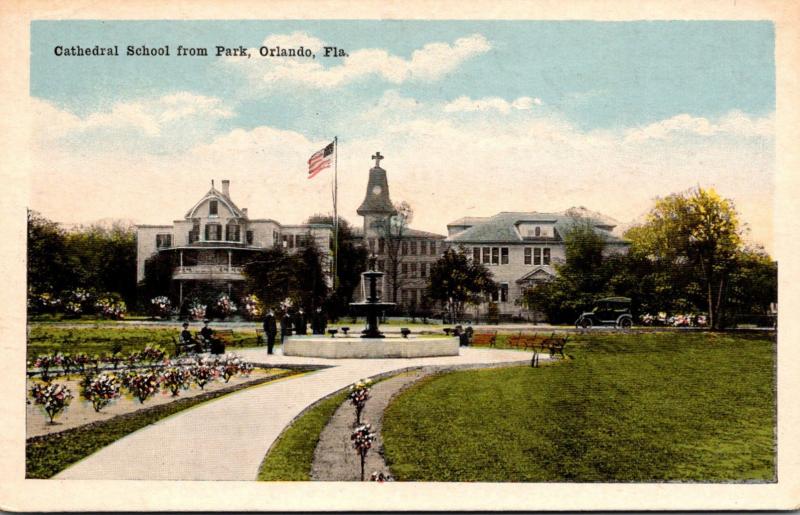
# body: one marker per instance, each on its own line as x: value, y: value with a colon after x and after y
x: 598, y: 75
x: 556, y: 113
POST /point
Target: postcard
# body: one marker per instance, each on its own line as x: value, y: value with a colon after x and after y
x: 355, y: 256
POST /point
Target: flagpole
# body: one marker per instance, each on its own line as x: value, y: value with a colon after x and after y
x: 335, y: 212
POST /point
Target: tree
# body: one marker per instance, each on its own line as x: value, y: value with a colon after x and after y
x: 456, y: 280
x: 49, y: 269
x: 698, y: 232
x: 585, y: 275
x: 277, y: 275
x: 393, y: 230
x: 352, y: 261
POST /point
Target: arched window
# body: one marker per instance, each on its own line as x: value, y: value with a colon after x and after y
x: 232, y: 231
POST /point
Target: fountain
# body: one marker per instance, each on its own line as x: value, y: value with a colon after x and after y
x: 372, y: 343
x: 372, y: 305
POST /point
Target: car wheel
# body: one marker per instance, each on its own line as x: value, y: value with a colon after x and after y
x: 585, y: 323
x: 625, y: 323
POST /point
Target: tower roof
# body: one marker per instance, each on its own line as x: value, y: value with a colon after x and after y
x: 377, y: 200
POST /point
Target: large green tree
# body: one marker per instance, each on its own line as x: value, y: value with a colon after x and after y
x: 697, y: 234
x: 277, y: 275
x: 49, y: 269
x: 455, y: 280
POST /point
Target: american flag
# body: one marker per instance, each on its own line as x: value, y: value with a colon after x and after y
x: 320, y: 160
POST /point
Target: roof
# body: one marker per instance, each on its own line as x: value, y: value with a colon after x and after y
x: 502, y: 228
x: 415, y: 233
x: 214, y: 193
x: 377, y: 198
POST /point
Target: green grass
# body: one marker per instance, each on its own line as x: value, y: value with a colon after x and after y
x: 291, y: 457
x: 47, y: 455
x: 44, y: 339
x: 638, y: 407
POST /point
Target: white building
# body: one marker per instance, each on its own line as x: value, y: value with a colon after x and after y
x: 521, y: 248
x: 215, y: 239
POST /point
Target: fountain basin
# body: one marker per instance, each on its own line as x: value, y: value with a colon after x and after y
x: 369, y: 348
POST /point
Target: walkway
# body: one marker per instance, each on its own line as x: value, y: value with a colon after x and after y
x: 227, y: 438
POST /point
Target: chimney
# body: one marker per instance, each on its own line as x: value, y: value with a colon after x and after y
x: 225, y: 187
x: 244, y: 212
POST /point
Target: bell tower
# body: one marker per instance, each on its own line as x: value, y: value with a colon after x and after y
x: 377, y: 205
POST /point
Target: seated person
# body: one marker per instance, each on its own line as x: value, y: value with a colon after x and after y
x: 216, y: 346
x: 186, y: 336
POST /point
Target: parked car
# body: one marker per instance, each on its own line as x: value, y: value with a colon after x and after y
x: 614, y: 311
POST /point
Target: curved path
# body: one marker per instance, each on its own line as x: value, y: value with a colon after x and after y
x: 227, y: 438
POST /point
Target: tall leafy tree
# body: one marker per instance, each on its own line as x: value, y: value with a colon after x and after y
x: 455, y: 280
x: 696, y: 231
x: 49, y: 269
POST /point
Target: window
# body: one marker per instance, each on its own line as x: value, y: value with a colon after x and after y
x: 545, y: 256
x: 496, y: 295
x: 504, y: 292
x: 274, y: 237
x: 412, y: 245
x: 232, y: 232
x: 486, y: 258
x: 413, y: 269
x: 380, y: 265
x: 249, y: 235
x: 404, y: 296
x: 537, y: 256
x: 495, y: 255
x: 194, y: 234
x: 476, y: 254
x: 212, y: 208
x: 287, y: 240
x: 433, y: 248
x: 404, y: 248
x: 213, y: 232
x: 537, y: 231
x: 381, y: 245
x: 504, y: 256
x: 371, y: 244
x: 163, y: 240
x: 404, y: 268
x: 527, y: 255
x: 423, y: 269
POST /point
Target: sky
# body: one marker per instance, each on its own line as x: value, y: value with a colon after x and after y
x: 473, y: 118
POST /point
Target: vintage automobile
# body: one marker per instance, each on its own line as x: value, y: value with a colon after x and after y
x: 614, y: 311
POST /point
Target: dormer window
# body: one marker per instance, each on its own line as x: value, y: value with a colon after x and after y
x: 537, y: 232
x: 212, y: 208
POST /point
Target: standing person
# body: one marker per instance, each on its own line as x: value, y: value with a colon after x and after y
x: 270, y: 330
x: 286, y: 326
x: 318, y: 322
x: 300, y: 323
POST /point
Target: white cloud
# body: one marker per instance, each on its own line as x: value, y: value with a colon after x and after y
x: 445, y: 165
x: 734, y: 123
x: 429, y: 63
x: 466, y: 104
x: 178, y: 117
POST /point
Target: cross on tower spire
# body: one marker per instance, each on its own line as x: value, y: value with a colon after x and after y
x: 377, y: 157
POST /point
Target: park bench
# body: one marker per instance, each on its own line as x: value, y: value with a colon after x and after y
x: 552, y: 344
x: 225, y: 336
x: 484, y: 339
x: 182, y: 347
x: 525, y: 341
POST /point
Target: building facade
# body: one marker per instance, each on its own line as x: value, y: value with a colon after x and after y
x: 215, y: 239
x: 521, y: 248
x: 403, y: 253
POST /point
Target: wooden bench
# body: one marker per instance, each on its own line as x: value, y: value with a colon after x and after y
x: 182, y: 347
x: 525, y: 341
x: 225, y: 336
x: 484, y: 339
x: 552, y: 344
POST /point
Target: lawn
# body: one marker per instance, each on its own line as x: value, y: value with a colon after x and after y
x: 45, y: 339
x: 640, y: 407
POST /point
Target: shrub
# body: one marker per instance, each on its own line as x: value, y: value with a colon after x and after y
x: 141, y: 385
x: 225, y: 306
x: 202, y: 373
x: 160, y: 306
x: 110, y: 305
x: 252, y: 307
x: 175, y: 379
x: 53, y: 398
x: 100, y: 390
x: 358, y: 396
